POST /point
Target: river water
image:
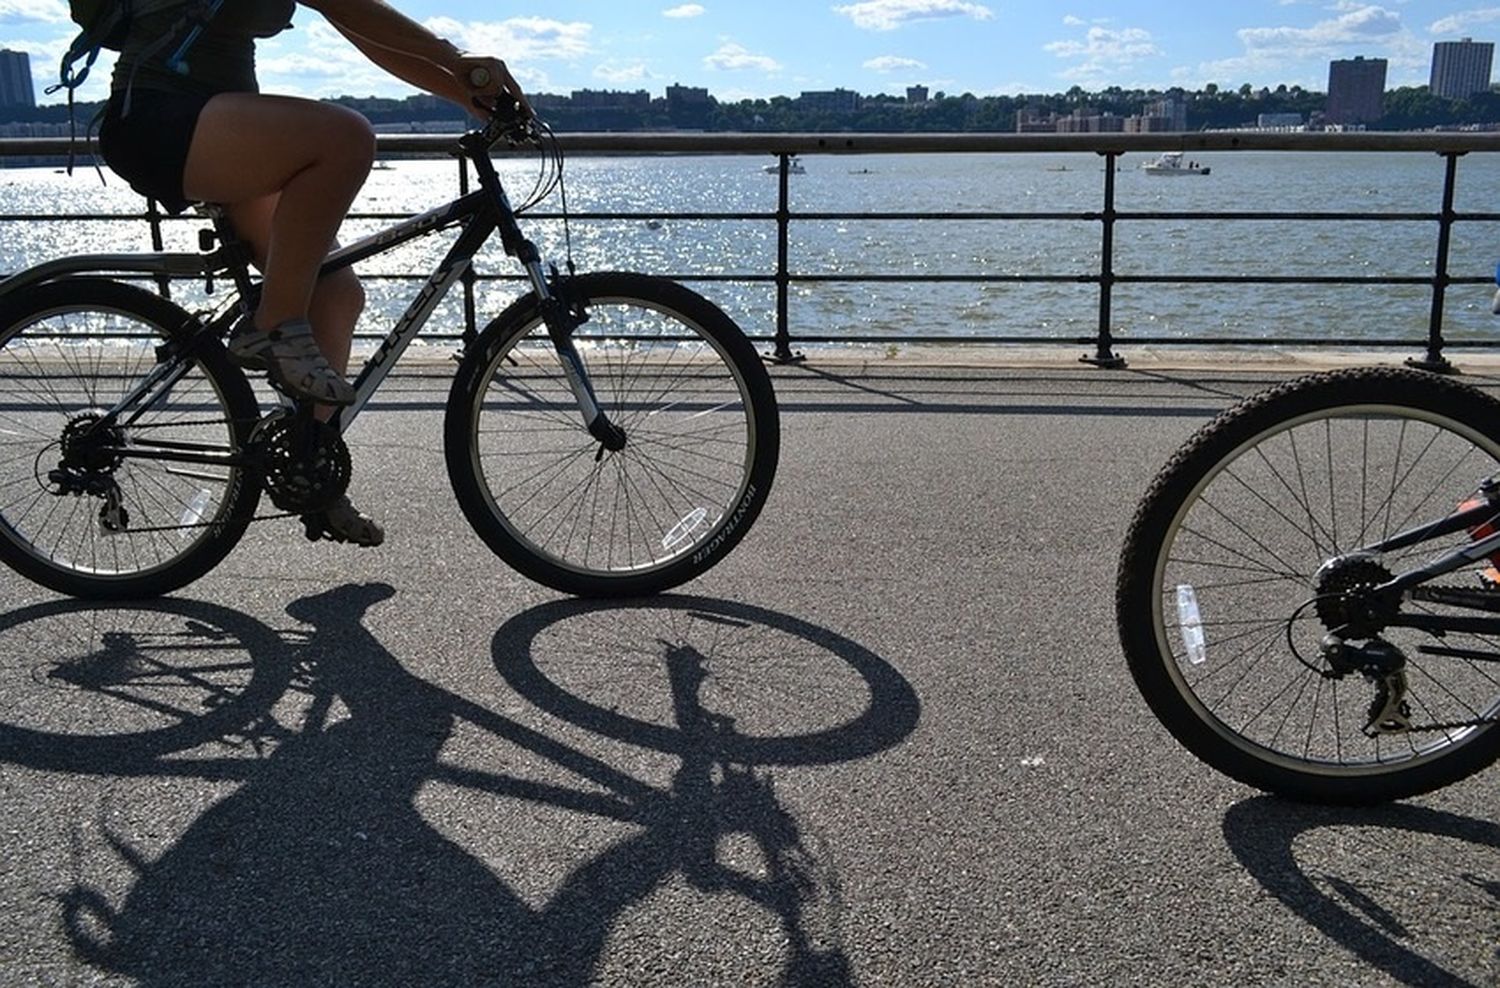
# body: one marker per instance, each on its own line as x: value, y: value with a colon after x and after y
x: 1382, y: 183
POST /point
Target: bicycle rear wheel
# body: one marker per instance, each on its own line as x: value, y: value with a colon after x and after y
x: 702, y: 439
x: 83, y: 509
x: 1224, y: 601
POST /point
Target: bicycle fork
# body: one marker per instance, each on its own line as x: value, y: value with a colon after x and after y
x: 562, y: 316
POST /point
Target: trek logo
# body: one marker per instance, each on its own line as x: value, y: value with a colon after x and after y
x: 420, y: 308
x: 734, y: 523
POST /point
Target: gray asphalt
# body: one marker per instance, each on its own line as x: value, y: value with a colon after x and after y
x: 917, y: 757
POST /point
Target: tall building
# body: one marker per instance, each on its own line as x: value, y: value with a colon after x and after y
x: 1356, y: 90
x: 15, y: 79
x: 1461, y: 68
x: 916, y: 94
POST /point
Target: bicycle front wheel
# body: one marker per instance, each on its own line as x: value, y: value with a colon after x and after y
x: 701, y: 427
x: 100, y: 497
x: 1237, y: 565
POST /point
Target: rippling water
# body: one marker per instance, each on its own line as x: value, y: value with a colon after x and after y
x: 660, y: 186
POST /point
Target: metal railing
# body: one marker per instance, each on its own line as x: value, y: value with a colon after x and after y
x: 1448, y: 148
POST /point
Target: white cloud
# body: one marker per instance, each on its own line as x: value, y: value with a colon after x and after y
x: 733, y: 57
x: 617, y: 73
x: 517, y: 39
x: 887, y: 15
x: 1106, y: 45
x: 1464, y: 22
x: 1357, y: 26
x: 47, y: 11
x: 685, y: 10
x: 893, y: 63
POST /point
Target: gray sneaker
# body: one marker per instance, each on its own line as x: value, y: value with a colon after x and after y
x: 289, y: 355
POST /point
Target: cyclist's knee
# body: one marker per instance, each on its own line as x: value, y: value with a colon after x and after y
x: 349, y: 139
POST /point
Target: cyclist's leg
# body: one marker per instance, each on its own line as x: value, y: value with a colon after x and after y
x: 288, y: 208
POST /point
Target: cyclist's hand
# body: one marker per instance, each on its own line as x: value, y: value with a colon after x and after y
x: 491, y: 85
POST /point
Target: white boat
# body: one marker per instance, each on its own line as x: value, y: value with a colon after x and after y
x: 1171, y: 163
x: 793, y: 167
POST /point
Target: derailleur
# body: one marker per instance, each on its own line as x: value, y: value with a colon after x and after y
x: 1382, y: 664
x: 65, y: 481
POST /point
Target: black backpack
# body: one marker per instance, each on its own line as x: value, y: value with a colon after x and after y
x: 106, y: 24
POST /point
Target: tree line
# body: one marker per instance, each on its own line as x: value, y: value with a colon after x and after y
x: 1212, y: 108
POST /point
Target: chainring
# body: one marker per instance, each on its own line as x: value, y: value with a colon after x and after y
x: 305, y: 463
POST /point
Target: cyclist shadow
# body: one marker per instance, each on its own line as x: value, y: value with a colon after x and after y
x: 321, y: 869
x: 1263, y: 832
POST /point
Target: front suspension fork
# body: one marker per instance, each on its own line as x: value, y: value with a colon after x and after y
x: 562, y: 316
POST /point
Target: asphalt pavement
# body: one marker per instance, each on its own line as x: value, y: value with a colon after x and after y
x: 891, y: 740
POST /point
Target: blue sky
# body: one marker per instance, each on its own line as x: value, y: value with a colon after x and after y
x: 759, y: 48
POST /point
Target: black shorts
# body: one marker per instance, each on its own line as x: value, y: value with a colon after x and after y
x: 148, y: 146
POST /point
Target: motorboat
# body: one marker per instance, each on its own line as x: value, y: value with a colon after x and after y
x: 1171, y: 163
x: 793, y: 167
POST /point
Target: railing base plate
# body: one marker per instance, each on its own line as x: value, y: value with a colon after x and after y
x: 1104, y: 361
x: 1435, y: 365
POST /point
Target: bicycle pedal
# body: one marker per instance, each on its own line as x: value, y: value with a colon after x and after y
x: 312, y: 527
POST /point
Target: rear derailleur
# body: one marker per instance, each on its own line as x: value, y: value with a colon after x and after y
x: 90, y: 448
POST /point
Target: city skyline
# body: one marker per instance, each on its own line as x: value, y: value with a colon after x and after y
x: 870, y: 46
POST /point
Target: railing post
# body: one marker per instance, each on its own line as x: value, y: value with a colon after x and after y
x: 783, y: 353
x: 1104, y: 355
x: 1434, y: 360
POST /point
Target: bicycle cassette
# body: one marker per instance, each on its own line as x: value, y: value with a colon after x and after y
x: 305, y: 463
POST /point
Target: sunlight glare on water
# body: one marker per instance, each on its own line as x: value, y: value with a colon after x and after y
x: 658, y: 186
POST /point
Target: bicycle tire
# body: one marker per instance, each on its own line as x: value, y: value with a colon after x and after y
x: 671, y: 369
x: 71, y: 348
x: 1244, y: 515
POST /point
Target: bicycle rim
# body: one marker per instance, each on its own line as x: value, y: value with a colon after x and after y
x: 1240, y: 565
x: 129, y: 522
x: 683, y: 479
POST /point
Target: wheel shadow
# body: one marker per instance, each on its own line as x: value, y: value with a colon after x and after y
x: 1365, y: 909
x: 320, y: 868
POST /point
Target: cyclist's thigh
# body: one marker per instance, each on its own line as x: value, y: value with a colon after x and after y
x: 247, y: 146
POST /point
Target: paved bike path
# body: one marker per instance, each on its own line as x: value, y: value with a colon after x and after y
x: 889, y: 741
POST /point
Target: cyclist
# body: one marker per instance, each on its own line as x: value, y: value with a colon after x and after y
x: 285, y: 169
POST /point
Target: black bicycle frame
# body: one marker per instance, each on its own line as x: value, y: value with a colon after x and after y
x: 482, y: 213
x: 1410, y: 582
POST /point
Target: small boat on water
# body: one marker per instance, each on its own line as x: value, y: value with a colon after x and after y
x: 1171, y: 163
x: 793, y: 167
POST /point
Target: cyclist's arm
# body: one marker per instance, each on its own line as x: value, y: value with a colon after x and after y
x: 414, y: 54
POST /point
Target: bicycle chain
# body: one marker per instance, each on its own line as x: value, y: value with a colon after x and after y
x: 1455, y: 725
x: 155, y: 529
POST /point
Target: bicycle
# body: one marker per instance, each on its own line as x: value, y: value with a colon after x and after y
x: 1308, y: 596
x: 608, y: 434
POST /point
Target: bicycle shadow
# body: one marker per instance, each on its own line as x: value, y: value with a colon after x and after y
x: 321, y: 868
x: 1361, y: 912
